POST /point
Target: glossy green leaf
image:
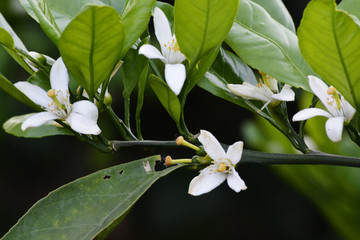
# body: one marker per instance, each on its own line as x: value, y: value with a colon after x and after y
x: 268, y: 46
x: 231, y: 68
x: 40, y: 79
x: 87, y: 207
x: 44, y: 17
x: 201, y: 26
x: 13, y: 126
x: 136, y: 17
x: 91, y: 45
x: 12, y: 42
x: 329, y: 40
x: 351, y: 6
x: 166, y: 96
x: 62, y: 11
x: 278, y: 11
x: 10, y: 89
x: 215, y: 84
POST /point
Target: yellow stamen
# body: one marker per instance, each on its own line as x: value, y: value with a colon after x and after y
x: 52, y: 95
x: 332, y: 91
x: 222, y: 167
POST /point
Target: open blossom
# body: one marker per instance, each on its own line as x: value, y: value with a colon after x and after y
x: 339, y: 111
x: 81, y: 116
x: 170, y: 54
x: 266, y: 91
x: 222, y: 167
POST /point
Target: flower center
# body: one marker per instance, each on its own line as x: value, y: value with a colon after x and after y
x: 172, y: 45
x: 222, y: 167
x: 51, y: 93
x: 334, y: 96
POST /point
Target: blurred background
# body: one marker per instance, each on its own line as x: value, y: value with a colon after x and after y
x: 281, y: 202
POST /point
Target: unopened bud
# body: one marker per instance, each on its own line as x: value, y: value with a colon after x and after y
x: 168, y: 161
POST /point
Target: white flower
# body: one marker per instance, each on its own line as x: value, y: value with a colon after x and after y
x: 266, y: 92
x: 81, y: 116
x: 339, y: 112
x: 170, y: 54
x: 221, y: 169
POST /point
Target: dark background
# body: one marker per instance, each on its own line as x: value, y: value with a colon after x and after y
x: 31, y: 168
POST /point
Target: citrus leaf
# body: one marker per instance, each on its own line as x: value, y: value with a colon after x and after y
x: 87, y: 207
x: 166, y: 96
x: 13, y: 126
x: 329, y: 40
x: 91, y: 45
x: 201, y: 26
x: 268, y: 46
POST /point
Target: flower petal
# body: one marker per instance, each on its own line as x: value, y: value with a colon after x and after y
x: 59, y: 77
x: 207, y: 180
x: 38, y: 120
x: 35, y: 93
x: 162, y: 27
x: 234, y: 152
x: 309, y: 113
x: 235, y: 182
x: 349, y: 111
x: 320, y: 90
x: 334, y: 127
x: 175, y: 75
x: 286, y: 94
x: 151, y: 52
x: 83, y: 118
x: 212, y: 146
x: 249, y: 91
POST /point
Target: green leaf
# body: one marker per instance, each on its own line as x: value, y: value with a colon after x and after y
x: 10, y: 89
x: 329, y: 40
x: 351, y: 6
x: 45, y: 18
x: 62, y: 11
x: 136, y: 17
x: 278, y: 11
x: 231, y: 68
x: 268, y: 46
x: 91, y: 45
x: 40, y: 79
x: 215, y: 84
x: 12, y: 43
x: 166, y: 96
x: 87, y: 207
x: 13, y: 126
x: 201, y: 26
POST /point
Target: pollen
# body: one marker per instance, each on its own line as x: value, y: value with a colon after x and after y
x: 331, y: 90
x: 222, y: 167
x: 51, y: 93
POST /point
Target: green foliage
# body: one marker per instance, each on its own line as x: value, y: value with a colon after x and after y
x: 201, y: 26
x: 12, y: 43
x: 278, y: 11
x: 350, y: 6
x: 167, y: 97
x: 329, y: 40
x: 136, y: 17
x: 45, y: 18
x: 92, y: 55
x: 13, y: 126
x: 88, y: 206
x: 61, y: 11
x: 10, y: 89
x: 267, y: 45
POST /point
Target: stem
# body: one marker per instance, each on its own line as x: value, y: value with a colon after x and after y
x: 102, y: 94
x: 313, y: 158
x: 127, y: 112
x: 155, y: 69
x: 145, y: 143
x: 124, y: 131
x: 353, y: 134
